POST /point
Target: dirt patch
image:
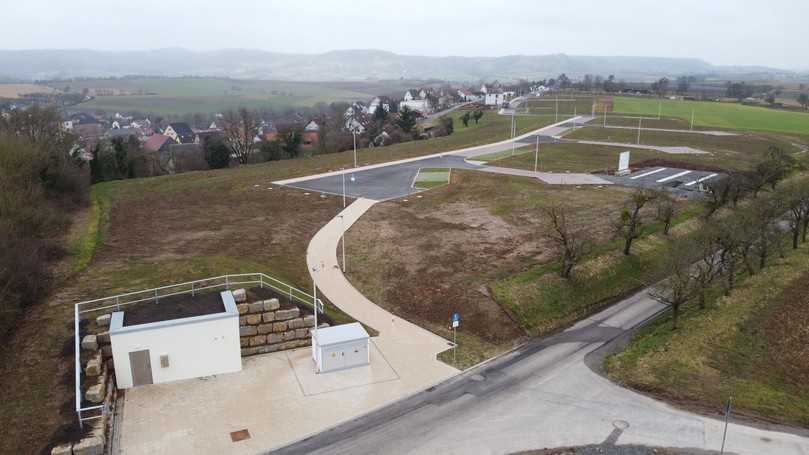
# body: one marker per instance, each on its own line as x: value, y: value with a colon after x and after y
x: 432, y: 256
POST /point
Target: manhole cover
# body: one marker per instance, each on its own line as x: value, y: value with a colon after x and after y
x: 620, y: 424
x: 240, y: 435
x: 477, y: 377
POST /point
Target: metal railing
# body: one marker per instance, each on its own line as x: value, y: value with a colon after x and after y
x: 116, y: 302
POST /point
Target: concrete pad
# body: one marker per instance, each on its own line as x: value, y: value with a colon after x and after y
x: 379, y: 370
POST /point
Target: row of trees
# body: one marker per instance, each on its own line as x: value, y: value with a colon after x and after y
x: 742, y: 237
x: 40, y: 182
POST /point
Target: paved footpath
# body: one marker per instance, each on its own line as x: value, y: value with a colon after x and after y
x: 409, y: 349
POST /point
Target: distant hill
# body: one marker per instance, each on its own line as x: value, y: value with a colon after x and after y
x: 350, y: 65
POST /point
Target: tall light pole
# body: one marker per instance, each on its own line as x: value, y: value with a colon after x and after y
x: 640, y: 120
x: 513, y: 132
x: 354, y: 133
x: 344, y: 188
x: 556, y: 110
x: 692, y: 119
x: 659, y: 108
x: 536, y: 155
x: 343, y: 240
x: 605, y: 115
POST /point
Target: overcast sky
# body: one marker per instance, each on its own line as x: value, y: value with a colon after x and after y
x: 773, y: 33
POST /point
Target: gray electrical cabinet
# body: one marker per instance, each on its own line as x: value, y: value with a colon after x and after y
x: 340, y: 347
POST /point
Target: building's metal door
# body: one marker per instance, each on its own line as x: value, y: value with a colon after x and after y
x: 141, y: 367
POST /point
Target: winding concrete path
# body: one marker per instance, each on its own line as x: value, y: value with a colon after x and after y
x: 409, y: 349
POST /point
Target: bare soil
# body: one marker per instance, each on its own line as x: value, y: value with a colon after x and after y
x: 426, y: 258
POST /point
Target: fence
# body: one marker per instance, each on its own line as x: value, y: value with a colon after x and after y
x: 116, y: 302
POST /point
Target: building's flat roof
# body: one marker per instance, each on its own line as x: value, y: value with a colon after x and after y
x: 341, y: 334
x: 173, y: 307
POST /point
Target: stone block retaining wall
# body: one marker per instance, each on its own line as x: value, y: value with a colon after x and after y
x: 265, y: 327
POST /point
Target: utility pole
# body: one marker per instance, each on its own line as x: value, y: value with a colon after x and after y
x: 605, y: 115
x: 536, y: 155
x: 659, y: 108
x: 640, y: 120
x: 513, y: 133
x: 692, y: 119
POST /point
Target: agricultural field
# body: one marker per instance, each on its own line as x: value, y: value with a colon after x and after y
x: 718, y: 115
x: 13, y: 91
x: 178, y: 96
x: 563, y: 104
x: 749, y: 345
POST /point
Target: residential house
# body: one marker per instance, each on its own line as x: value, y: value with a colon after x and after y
x: 467, y: 95
x: 377, y: 102
x: 158, y: 143
x: 311, y: 136
x: 204, y: 134
x: 269, y: 132
x: 181, y: 133
x: 419, y: 105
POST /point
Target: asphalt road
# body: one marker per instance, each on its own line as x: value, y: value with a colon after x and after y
x: 381, y: 183
x: 543, y: 394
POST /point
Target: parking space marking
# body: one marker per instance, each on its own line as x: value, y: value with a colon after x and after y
x: 701, y: 180
x: 648, y: 173
x: 666, y: 179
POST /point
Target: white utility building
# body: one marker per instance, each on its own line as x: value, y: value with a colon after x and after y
x: 340, y: 347
x: 150, y: 349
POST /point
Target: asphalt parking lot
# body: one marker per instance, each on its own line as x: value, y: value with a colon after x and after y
x: 382, y: 183
x: 682, y: 181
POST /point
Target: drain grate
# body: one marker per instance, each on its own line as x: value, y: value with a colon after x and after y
x: 240, y: 435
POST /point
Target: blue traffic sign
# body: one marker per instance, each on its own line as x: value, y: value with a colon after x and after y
x: 456, y: 317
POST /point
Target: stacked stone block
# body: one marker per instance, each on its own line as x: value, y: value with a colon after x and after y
x: 265, y: 327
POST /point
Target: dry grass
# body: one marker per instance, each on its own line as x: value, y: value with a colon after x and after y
x: 17, y: 90
x: 429, y: 257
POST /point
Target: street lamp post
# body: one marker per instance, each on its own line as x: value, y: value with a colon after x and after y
x: 354, y: 133
x: 536, y: 155
x: 640, y: 120
x: 343, y: 240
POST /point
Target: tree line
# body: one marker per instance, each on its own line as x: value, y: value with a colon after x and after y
x: 746, y: 216
x: 41, y: 182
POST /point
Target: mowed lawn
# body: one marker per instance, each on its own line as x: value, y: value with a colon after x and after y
x: 177, y: 96
x: 750, y: 346
x: 718, y: 115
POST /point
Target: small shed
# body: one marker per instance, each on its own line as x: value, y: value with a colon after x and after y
x: 170, y: 341
x: 340, y: 347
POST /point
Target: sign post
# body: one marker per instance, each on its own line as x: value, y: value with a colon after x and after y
x: 456, y: 321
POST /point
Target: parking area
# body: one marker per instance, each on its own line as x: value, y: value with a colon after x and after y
x: 381, y: 183
x: 683, y: 181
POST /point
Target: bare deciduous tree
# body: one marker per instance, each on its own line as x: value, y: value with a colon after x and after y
x: 679, y: 288
x: 240, y: 128
x: 629, y: 225
x: 665, y: 209
x: 568, y: 238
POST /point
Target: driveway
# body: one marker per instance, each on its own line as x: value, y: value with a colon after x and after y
x: 543, y: 394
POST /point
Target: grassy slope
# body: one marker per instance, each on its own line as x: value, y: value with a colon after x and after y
x: 146, y: 232
x: 544, y: 302
x: 751, y: 345
x: 719, y: 115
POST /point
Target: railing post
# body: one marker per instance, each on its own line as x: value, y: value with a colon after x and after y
x: 155, y: 296
x: 261, y: 280
x: 117, y: 303
x: 227, y: 282
x: 192, y: 289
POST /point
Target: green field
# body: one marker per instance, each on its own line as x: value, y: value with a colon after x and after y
x: 178, y: 96
x: 718, y: 115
